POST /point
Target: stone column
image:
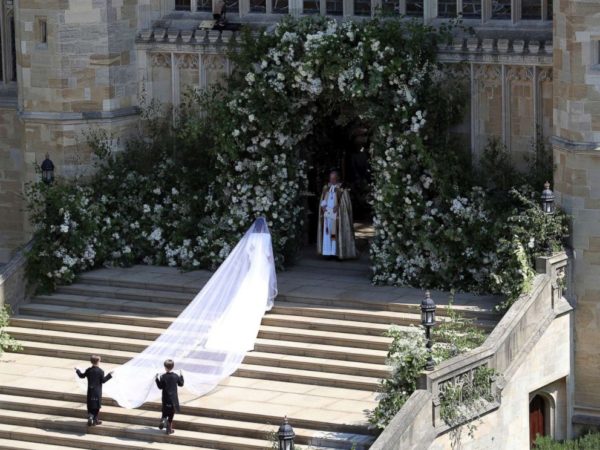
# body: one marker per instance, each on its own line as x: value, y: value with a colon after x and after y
x: 576, y: 144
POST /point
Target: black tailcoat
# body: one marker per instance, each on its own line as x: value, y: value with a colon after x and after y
x: 168, y: 383
x: 95, y: 378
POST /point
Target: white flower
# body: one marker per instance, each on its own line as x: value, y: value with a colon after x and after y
x: 156, y: 191
x: 146, y: 209
x: 64, y: 228
x: 531, y: 243
x: 174, y: 191
x: 250, y: 78
x: 236, y: 133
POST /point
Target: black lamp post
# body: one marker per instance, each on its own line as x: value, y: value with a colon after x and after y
x: 47, y: 170
x: 286, y: 436
x: 547, y: 199
x: 428, y: 321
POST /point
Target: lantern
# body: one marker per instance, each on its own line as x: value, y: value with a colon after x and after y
x: 286, y: 436
x: 427, y: 311
x: 47, y: 170
x: 547, y: 199
x: 428, y: 321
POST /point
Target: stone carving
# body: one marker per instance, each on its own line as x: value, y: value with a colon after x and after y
x: 545, y: 74
x: 519, y: 73
x: 489, y: 78
x: 188, y: 61
x: 214, y: 63
x: 160, y: 59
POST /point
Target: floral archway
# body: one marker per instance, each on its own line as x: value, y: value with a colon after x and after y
x: 385, y: 72
x: 181, y: 194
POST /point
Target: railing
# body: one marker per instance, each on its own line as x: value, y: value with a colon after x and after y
x: 503, y: 351
x: 13, y: 286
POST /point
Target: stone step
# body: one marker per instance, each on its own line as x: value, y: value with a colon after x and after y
x: 157, y: 292
x: 148, y: 434
x: 265, y: 332
x: 149, y: 333
x: 288, y: 320
x: 36, y: 437
x: 361, y: 315
x: 245, y: 370
x: 252, y: 358
x: 12, y: 444
x: 128, y: 293
x: 149, y: 418
x: 256, y: 416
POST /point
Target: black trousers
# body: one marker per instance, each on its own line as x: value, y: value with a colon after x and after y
x: 168, y: 412
x: 94, y: 412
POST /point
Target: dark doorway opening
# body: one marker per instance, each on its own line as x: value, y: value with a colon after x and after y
x: 338, y: 143
x: 537, y: 419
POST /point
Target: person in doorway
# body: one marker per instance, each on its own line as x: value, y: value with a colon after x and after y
x: 335, y: 235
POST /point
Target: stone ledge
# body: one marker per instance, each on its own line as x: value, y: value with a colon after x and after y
x: 574, y: 146
x: 87, y: 115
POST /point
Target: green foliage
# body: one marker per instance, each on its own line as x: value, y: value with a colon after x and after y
x: 407, y: 356
x: 6, y: 341
x: 188, y: 185
x: 590, y: 441
x: 463, y: 401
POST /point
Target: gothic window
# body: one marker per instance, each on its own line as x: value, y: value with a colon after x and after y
x: 183, y: 5
x: 501, y: 9
x: 1, y: 65
x: 390, y: 7
x: 232, y: 6
x: 41, y: 30
x: 334, y: 7
x: 414, y: 8
x: 311, y: 6
x: 258, y: 6
x: 362, y: 7
x: 549, y: 10
x: 281, y: 6
x: 204, y: 5
x: 471, y: 9
x: 531, y: 9
x: 13, y: 49
x: 447, y: 8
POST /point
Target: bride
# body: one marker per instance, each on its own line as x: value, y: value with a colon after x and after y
x: 210, y: 337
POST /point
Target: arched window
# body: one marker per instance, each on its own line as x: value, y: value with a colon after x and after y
x: 8, y: 47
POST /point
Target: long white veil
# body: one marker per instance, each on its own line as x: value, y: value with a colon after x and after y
x: 209, y: 339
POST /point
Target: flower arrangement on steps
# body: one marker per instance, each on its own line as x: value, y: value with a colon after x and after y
x: 183, y: 192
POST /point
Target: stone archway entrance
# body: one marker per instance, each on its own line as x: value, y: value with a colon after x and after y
x: 339, y: 140
x: 537, y: 418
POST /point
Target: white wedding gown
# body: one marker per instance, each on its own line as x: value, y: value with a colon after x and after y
x: 209, y: 339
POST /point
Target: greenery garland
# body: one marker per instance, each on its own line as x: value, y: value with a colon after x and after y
x: 183, y: 193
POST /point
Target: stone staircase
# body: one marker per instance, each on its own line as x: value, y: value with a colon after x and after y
x: 318, y: 359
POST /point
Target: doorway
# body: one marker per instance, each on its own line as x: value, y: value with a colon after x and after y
x: 342, y: 144
x: 537, y: 419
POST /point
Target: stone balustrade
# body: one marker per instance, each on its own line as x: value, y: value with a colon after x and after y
x: 418, y: 423
x: 498, y: 51
x: 13, y: 285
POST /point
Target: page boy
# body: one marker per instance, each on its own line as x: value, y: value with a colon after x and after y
x: 168, y: 383
x: 95, y: 379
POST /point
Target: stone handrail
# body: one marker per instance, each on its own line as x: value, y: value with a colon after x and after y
x: 418, y: 423
x: 13, y: 285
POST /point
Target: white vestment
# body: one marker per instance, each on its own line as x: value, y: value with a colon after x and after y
x: 329, y: 228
